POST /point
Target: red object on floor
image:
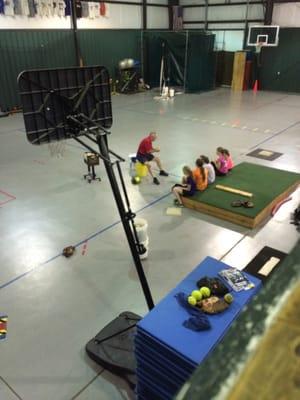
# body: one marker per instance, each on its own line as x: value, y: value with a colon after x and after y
x: 84, y: 248
x: 278, y: 205
x: 255, y: 87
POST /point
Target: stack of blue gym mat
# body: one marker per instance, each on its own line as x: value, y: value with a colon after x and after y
x: 167, y: 353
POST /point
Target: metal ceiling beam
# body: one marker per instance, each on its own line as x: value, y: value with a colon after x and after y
x: 285, y: 1
x: 225, y: 21
x: 269, y: 12
x: 241, y: 3
x: 172, y: 3
x: 144, y: 14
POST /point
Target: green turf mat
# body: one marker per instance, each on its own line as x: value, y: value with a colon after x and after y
x: 265, y: 183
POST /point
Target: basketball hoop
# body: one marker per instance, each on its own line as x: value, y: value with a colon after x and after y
x: 57, y: 149
x: 258, y: 47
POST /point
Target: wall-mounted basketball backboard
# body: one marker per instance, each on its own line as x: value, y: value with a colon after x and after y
x: 266, y: 35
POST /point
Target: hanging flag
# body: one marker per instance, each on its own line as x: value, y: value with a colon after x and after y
x: 102, y: 9
x: 177, y: 18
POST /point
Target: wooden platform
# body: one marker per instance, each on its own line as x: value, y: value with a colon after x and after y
x: 268, y: 186
x: 248, y: 221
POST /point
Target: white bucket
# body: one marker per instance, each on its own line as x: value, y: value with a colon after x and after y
x: 165, y: 91
x: 146, y: 245
x: 132, y: 171
x: 171, y: 92
x: 141, y: 226
x: 132, y: 161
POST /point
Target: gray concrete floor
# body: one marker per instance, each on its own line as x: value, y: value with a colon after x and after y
x: 55, y: 305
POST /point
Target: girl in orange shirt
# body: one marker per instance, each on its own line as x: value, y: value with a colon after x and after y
x: 200, y: 175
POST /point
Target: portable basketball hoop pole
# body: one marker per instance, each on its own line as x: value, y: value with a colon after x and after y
x: 127, y: 216
x: 75, y: 103
x: 260, y: 36
x: 113, y: 346
x: 71, y: 103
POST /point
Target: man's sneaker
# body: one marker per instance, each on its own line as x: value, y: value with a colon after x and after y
x: 163, y: 173
x: 180, y: 205
x: 156, y: 181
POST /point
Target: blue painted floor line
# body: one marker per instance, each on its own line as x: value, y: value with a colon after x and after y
x: 4, y: 285
x: 24, y: 274
x: 275, y: 134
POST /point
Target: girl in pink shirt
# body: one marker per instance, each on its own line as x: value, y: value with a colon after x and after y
x: 228, y: 157
x: 220, y: 165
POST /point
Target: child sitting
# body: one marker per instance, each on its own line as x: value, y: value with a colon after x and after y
x: 229, y: 160
x: 211, y: 175
x: 200, y: 175
x: 187, y: 188
x: 220, y: 165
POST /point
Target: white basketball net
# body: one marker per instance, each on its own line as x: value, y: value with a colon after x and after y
x: 259, y: 46
x: 57, y: 149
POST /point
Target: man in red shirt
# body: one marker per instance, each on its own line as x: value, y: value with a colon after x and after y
x: 145, y: 155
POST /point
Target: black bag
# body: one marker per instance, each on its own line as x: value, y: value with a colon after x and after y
x: 216, y: 286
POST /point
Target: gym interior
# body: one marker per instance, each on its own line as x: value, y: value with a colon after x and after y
x: 82, y: 244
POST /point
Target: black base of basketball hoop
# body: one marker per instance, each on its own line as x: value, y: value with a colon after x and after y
x: 113, y: 347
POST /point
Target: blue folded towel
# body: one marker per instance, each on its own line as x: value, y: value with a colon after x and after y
x: 198, y: 321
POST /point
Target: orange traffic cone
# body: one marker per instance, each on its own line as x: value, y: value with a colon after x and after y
x: 255, y: 87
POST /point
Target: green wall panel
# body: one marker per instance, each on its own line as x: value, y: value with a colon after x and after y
x: 30, y: 49
x: 159, y: 43
x: 33, y: 49
x: 201, y: 66
x: 188, y: 55
x: 108, y: 47
x: 25, y: 49
x: 281, y: 65
x: 22, y: 50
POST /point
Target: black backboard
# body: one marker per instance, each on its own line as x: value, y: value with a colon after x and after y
x: 50, y: 97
